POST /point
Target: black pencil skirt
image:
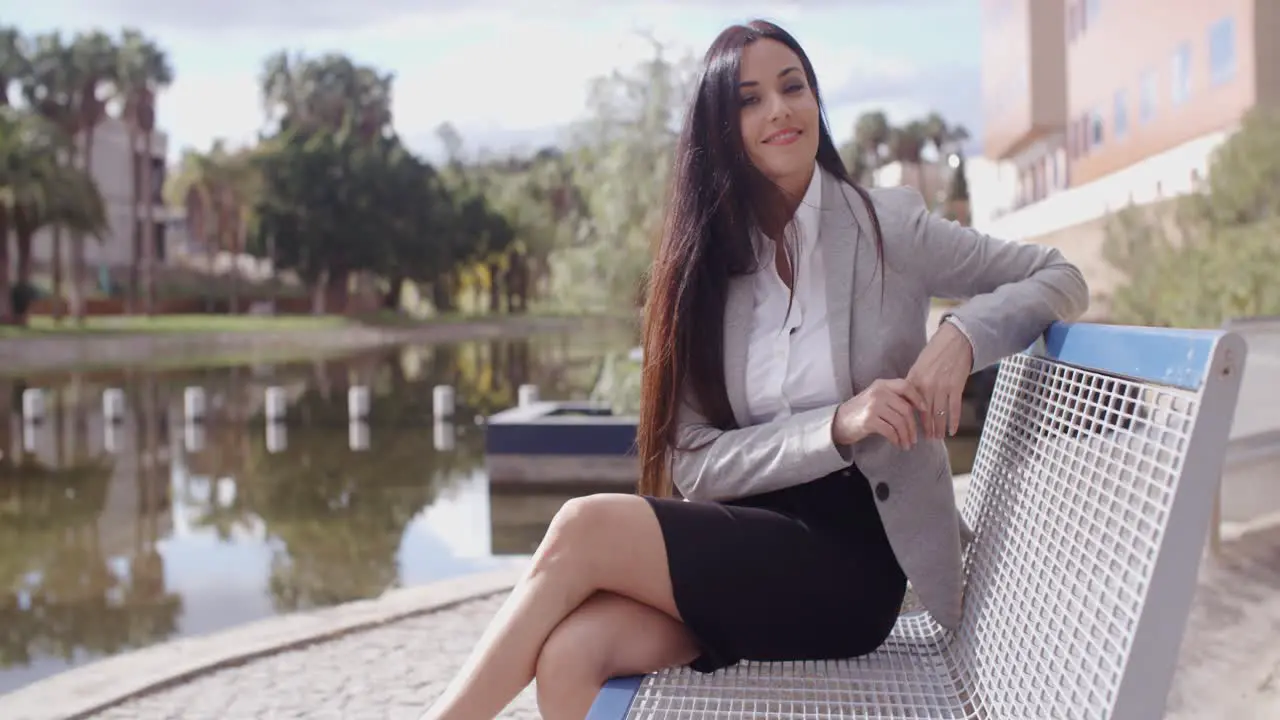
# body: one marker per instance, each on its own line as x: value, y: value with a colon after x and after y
x: 802, y: 573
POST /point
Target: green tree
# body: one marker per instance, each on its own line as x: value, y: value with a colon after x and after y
x: 622, y: 156
x: 1211, y: 255
x: 906, y: 146
x: 142, y: 71
x: 868, y: 149
x: 94, y: 68
x: 958, y: 193
x: 51, y: 89
x: 37, y: 190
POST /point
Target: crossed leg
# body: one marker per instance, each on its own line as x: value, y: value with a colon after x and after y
x: 601, y: 571
x: 607, y: 636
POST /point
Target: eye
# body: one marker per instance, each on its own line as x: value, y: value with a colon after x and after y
x: 794, y: 88
x: 748, y: 100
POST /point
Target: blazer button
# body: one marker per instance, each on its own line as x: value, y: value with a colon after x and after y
x: 882, y: 492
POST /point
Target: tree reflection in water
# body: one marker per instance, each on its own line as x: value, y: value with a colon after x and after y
x: 60, y: 595
x: 81, y: 572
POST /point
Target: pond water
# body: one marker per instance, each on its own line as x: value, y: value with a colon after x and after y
x: 116, y: 536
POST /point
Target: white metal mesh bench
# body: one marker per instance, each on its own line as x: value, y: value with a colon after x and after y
x: 1090, y: 500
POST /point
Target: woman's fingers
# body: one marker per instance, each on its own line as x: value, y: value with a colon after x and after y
x: 911, y: 393
x: 895, y: 413
x: 956, y: 407
x: 904, y: 417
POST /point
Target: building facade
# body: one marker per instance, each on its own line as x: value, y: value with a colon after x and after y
x: 1024, y: 94
x: 1124, y: 101
x: 116, y: 175
x: 1145, y: 77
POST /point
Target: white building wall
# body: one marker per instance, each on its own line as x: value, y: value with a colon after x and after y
x: 113, y: 170
x: 1166, y: 175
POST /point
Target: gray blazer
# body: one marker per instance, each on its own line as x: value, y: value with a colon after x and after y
x: 1011, y: 292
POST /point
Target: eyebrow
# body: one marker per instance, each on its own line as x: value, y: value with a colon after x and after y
x: 785, y: 71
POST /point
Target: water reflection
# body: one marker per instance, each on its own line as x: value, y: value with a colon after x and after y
x: 124, y: 524
x: 129, y: 520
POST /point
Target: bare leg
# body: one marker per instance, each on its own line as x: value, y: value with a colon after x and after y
x: 609, y: 542
x: 607, y: 636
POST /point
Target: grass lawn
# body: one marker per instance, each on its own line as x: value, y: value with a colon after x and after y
x: 45, y: 327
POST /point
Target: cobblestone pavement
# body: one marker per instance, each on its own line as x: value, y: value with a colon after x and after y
x: 1229, y: 666
x: 390, y: 673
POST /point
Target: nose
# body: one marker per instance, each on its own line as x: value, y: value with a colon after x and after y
x: 778, y: 107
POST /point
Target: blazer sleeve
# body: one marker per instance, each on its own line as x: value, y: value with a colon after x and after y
x: 719, y: 465
x: 1012, y: 291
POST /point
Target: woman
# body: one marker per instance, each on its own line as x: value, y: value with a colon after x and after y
x: 790, y: 395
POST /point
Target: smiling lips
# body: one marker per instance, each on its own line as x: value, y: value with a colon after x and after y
x: 785, y: 136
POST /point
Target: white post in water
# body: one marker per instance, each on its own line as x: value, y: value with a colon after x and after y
x: 445, y: 436
x: 33, y: 406
x: 112, y: 406
x: 193, y: 405
x: 358, y: 436
x: 277, y: 437
x: 442, y: 402
x: 276, y: 405
x: 528, y: 394
x: 30, y: 435
x: 111, y: 437
x: 357, y: 403
x: 193, y: 437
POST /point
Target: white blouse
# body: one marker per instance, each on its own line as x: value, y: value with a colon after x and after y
x: 789, y: 366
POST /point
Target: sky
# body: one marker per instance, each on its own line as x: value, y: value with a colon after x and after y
x: 511, y: 76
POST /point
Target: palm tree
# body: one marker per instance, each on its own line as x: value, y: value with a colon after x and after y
x: 14, y: 62
x: 93, y: 56
x: 218, y: 189
x: 943, y: 136
x: 38, y: 190
x: 50, y: 90
x: 11, y: 148
x: 906, y: 144
x: 871, y: 135
x: 143, y: 70
x: 305, y: 94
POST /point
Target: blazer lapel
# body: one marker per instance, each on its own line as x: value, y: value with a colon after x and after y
x: 838, y: 237
x: 737, y: 331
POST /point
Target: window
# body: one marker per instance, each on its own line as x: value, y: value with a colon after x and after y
x: 1095, y: 129
x: 1181, y: 74
x: 1121, y: 123
x: 1091, y: 12
x: 1222, y: 50
x: 1147, y: 97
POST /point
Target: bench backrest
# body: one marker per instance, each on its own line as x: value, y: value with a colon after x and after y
x: 1090, y: 500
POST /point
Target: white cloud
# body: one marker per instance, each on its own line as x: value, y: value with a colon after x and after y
x: 520, y: 77
x: 493, y: 75
x: 234, y: 16
x: 500, y: 77
x: 205, y: 106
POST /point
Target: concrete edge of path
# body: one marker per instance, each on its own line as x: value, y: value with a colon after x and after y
x: 80, y: 692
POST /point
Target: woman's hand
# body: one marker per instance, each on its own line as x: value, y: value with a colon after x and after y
x: 886, y: 407
x: 939, y: 375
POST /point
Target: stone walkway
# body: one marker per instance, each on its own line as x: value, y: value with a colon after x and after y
x: 1229, y: 666
x: 390, y: 673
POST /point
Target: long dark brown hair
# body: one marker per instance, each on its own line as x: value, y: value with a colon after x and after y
x: 716, y: 197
